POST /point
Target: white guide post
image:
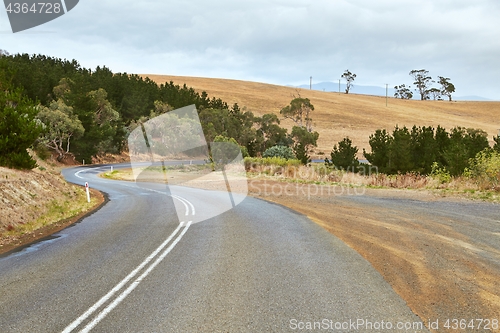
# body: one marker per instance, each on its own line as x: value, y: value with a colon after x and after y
x: 87, y: 190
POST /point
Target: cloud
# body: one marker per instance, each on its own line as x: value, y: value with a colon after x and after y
x: 282, y: 42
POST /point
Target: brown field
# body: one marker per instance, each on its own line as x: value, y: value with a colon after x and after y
x: 339, y: 115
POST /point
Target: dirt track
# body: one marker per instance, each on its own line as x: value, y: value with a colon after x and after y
x: 440, y: 255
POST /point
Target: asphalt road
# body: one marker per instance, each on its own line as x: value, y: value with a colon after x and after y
x: 134, y: 266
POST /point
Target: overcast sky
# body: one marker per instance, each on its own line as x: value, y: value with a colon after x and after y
x: 279, y: 41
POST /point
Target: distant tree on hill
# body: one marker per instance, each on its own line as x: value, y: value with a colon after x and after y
x: 447, y: 88
x: 349, y: 78
x: 435, y: 93
x: 403, y: 92
x: 422, y: 82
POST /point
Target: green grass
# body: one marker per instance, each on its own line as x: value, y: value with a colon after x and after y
x: 57, y: 211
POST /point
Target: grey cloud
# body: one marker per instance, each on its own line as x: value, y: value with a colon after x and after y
x: 284, y: 42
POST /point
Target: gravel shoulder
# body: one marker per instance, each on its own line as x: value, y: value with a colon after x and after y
x: 441, y: 255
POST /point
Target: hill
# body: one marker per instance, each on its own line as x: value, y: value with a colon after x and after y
x: 339, y: 115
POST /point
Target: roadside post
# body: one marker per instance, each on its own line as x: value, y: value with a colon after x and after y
x: 87, y: 190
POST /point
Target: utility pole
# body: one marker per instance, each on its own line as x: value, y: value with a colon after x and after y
x: 339, y: 86
x: 311, y: 83
x: 386, y: 93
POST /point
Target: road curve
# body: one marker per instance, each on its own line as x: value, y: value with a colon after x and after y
x: 133, y: 266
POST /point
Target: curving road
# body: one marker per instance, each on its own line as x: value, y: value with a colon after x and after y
x: 134, y: 267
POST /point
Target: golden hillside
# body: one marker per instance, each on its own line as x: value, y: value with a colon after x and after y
x: 339, y: 115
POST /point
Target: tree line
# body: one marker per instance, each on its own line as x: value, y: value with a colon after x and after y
x: 58, y: 106
x: 419, y: 150
x: 423, y: 83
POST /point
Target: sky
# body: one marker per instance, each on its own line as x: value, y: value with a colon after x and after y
x: 281, y: 42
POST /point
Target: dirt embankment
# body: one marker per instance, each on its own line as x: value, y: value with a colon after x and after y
x: 37, y: 203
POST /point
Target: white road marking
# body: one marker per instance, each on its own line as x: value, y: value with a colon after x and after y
x: 110, y: 294
x: 187, y: 201
x: 183, y: 202
x: 133, y: 285
x: 77, y: 174
x: 187, y: 204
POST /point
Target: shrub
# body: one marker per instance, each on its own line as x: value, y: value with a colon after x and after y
x: 440, y: 173
x: 280, y: 151
x: 344, y: 156
x: 485, y: 169
x: 254, y: 162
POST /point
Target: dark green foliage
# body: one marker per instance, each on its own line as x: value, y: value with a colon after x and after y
x: 344, y: 156
x: 400, y: 151
x: 416, y: 151
x: 270, y: 133
x: 403, y: 92
x: 131, y: 96
x: 18, y: 129
x: 447, y: 88
x: 380, y: 144
x: 279, y: 151
x: 303, y: 142
x: 464, y: 145
x: 422, y: 82
x: 424, y: 148
x: 300, y: 151
x: 299, y: 111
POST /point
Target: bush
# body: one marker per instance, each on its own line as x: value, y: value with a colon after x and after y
x: 485, y: 169
x: 440, y: 173
x: 344, y: 156
x: 254, y: 162
x: 280, y: 151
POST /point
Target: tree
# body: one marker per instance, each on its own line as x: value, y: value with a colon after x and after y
x: 379, y: 156
x: 18, y: 129
x: 303, y: 142
x: 344, y: 156
x: 299, y: 112
x: 400, y: 151
x: 447, y: 88
x: 103, y: 111
x: 269, y: 133
x: 349, y: 78
x: 435, y: 93
x: 424, y: 148
x: 422, y: 82
x: 61, y: 126
x: 403, y: 92
x: 464, y: 144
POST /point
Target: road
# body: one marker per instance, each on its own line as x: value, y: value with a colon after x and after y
x: 133, y: 266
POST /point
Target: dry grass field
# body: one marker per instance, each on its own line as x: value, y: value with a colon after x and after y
x: 339, y: 115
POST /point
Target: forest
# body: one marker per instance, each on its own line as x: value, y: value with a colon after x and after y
x: 57, y: 106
